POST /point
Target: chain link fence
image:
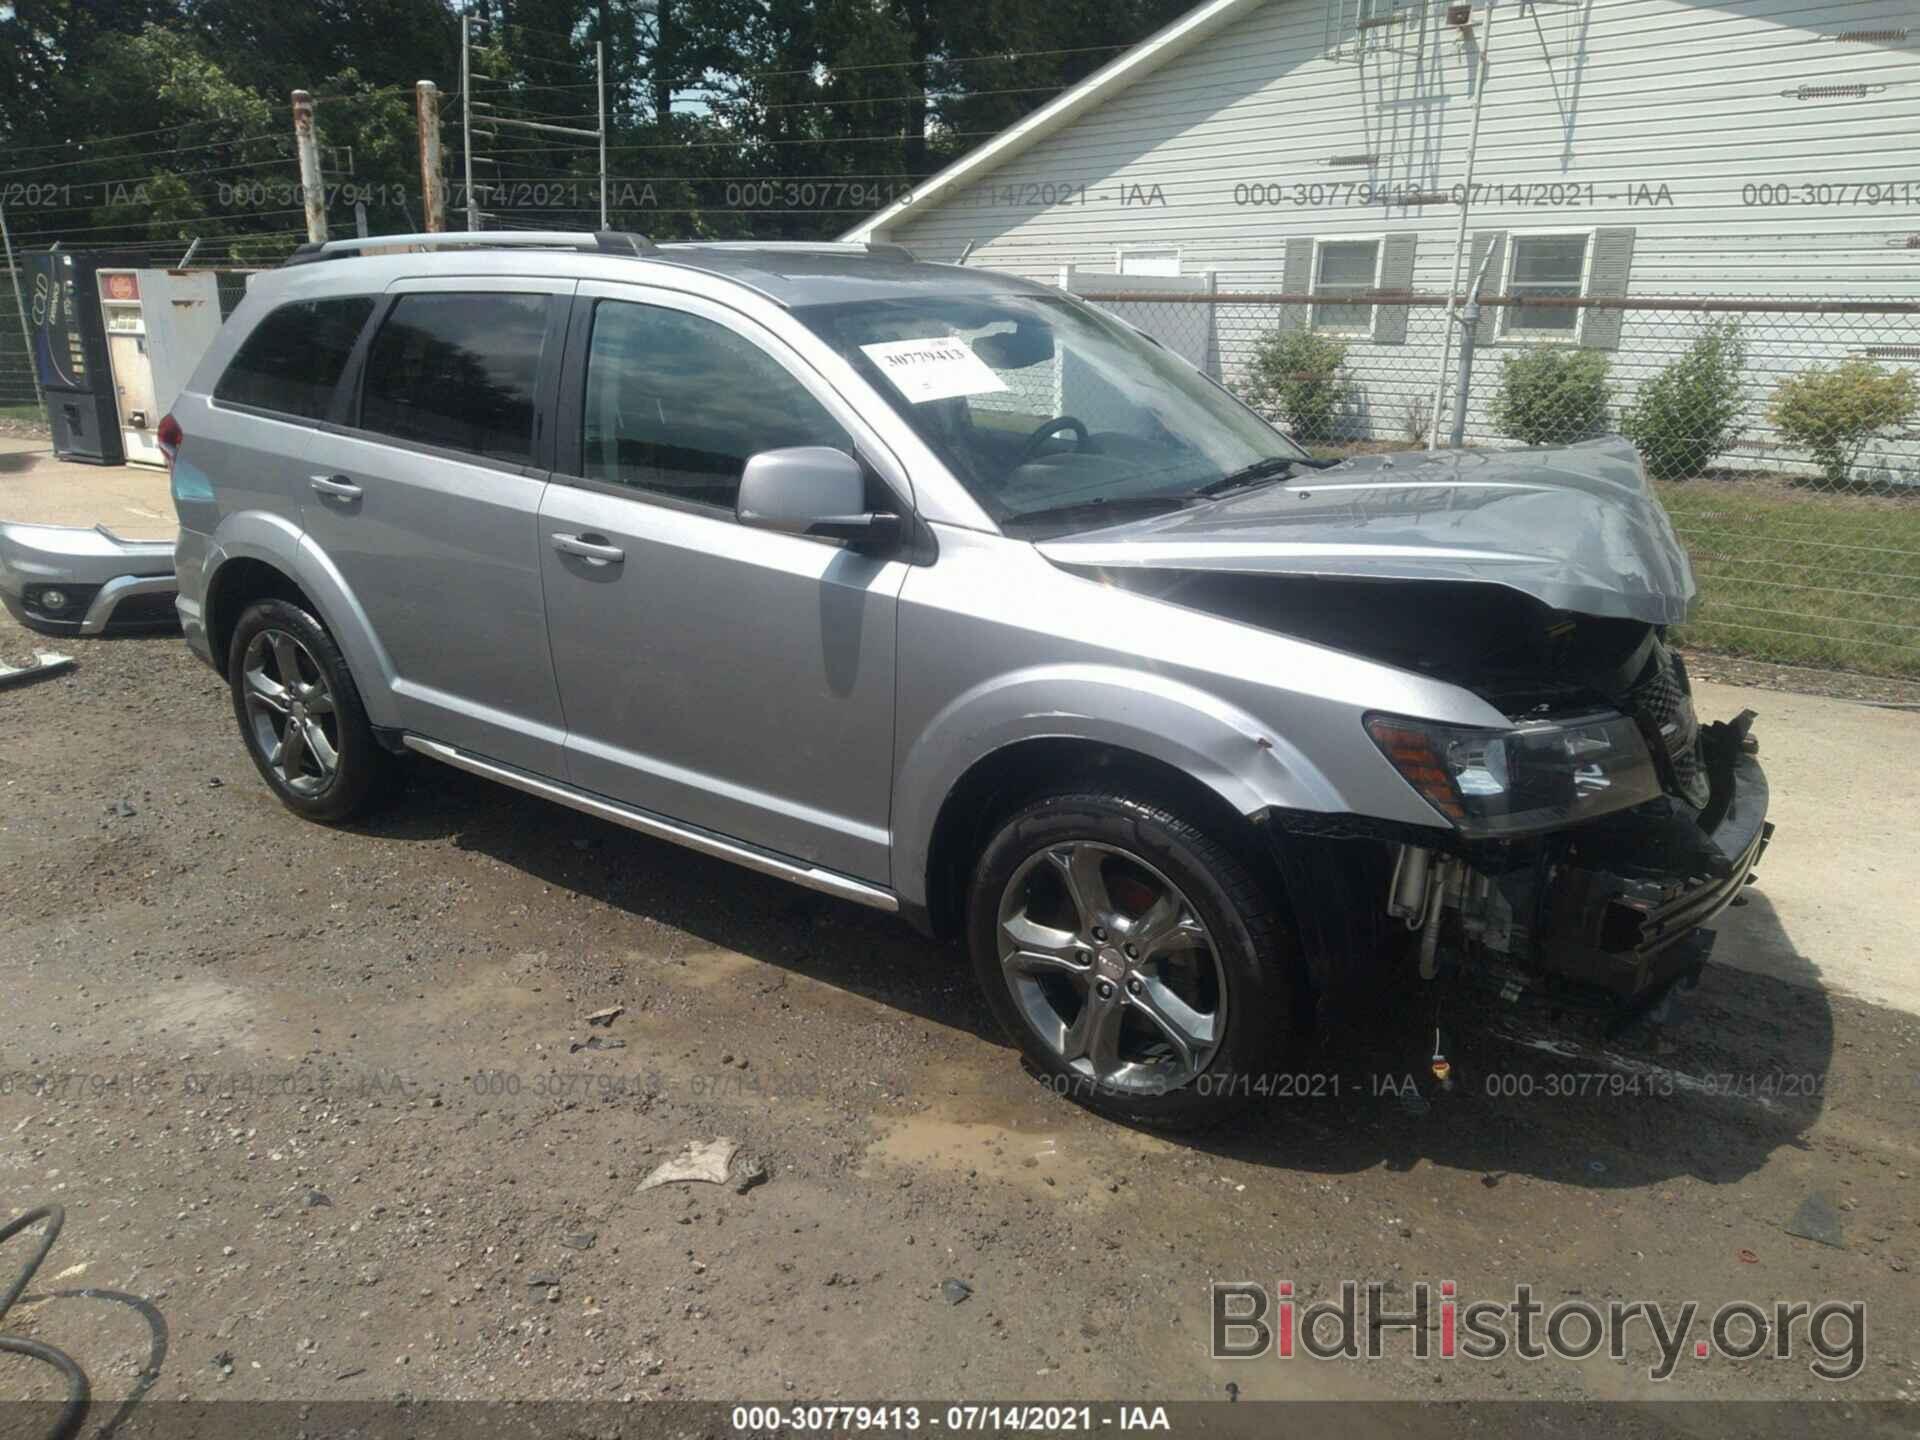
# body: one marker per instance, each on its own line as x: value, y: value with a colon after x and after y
x: 20, y: 405
x: 1783, y: 436
x: 19, y: 398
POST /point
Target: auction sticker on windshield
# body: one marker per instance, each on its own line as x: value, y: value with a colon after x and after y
x: 943, y: 369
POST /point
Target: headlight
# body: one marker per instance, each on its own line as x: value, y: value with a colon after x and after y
x: 1491, y: 783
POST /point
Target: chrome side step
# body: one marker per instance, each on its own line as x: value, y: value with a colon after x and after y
x: 767, y: 862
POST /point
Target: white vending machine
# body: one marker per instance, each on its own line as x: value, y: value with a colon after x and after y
x: 158, y: 324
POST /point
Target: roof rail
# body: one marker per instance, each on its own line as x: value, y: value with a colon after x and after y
x: 878, y: 249
x: 606, y: 242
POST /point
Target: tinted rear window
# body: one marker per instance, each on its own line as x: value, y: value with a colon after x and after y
x: 457, y: 371
x: 293, y: 358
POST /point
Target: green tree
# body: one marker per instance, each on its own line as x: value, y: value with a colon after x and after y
x: 1296, y: 376
x: 1690, y: 412
x: 1552, y: 395
x: 1835, y: 413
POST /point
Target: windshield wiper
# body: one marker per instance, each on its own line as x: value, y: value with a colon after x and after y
x: 1274, y: 467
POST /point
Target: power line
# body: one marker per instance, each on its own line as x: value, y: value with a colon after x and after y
x: 747, y: 142
x: 931, y: 60
x: 110, y: 139
x: 517, y: 58
x: 280, y: 136
x: 65, y: 231
x: 206, y: 241
x: 930, y: 97
x: 520, y: 88
x: 403, y: 89
x: 572, y: 37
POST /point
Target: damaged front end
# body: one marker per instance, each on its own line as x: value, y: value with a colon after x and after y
x: 1574, y: 855
x: 1604, y: 916
x: 1585, y: 847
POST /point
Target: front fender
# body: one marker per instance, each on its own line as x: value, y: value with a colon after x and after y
x: 1246, y: 763
x: 276, y: 541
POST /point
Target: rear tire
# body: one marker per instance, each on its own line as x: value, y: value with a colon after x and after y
x: 300, y: 713
x: 1142, y: 965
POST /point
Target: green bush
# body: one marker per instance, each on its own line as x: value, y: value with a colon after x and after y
x: 1834, y: 413
x: 1690, y: 411
x: 1552, y: 395
x: 1295, y: 376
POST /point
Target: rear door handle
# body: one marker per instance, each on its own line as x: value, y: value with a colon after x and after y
x: 336, y: 485
x: 589, y: 547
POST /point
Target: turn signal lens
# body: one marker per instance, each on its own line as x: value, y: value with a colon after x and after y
x: 1417, y: 758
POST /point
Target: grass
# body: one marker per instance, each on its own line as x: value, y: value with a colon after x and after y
x: 31, y: 413
x: 1801, y: 578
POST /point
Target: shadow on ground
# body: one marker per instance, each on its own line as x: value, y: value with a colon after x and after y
x: 1735, y: 1074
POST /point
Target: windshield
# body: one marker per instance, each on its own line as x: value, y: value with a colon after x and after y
x: 1055, y: 416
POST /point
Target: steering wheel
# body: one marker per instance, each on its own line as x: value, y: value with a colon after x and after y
x: 1047, y: 431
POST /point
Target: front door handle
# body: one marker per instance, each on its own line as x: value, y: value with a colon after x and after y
x: 589, y: 547
x: 335, y: 485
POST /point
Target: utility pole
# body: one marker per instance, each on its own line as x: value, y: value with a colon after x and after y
x: 426, y: 109
x: 466, y: 117
x: 600, y: 91
x: 312, y: 189
x: 19, y: 304
x: 1460, y: 233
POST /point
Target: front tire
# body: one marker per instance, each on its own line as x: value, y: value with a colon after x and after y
x: 300, y: 713
x: 1141, y: 964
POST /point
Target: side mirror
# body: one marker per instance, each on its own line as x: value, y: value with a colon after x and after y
x: 813, y: 490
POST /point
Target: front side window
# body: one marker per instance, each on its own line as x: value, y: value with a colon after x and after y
x: 677, y: 404
x: 1344, y: 267
x: 458, y: 372
x: 293, y: 359
x: 1547, y: 267
x: 1055, y: 416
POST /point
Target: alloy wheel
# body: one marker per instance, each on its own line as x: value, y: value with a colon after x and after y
x: 291, y: 712
x: 1111, y: 966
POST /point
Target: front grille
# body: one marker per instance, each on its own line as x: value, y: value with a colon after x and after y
x: 1663, y: 704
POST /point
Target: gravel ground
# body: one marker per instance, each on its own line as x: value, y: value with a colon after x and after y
x: 328, y: 1102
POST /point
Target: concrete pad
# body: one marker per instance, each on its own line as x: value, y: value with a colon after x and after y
x: 133, y: 501
x: 1837, y: 905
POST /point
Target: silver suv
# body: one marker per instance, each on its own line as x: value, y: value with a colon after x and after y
x: 943, y: 593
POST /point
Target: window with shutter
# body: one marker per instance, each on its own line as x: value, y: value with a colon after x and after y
x: 1344, y: 267
x: 1547, y: 267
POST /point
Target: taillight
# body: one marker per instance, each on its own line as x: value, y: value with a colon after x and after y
x: 170, y: 435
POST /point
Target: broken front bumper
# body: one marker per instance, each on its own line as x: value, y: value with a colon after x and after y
x: 1620, y: 905
x: 71, y: 580
x: 1605, y: 916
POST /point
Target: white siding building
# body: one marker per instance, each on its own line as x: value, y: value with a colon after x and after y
x: 1633, y: 148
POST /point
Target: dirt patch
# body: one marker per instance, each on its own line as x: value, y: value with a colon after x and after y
x: 1801, y: 679
x: 324, y: 1099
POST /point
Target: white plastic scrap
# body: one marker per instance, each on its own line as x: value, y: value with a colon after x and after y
x: 706, y: 1162
x: 45, y: 662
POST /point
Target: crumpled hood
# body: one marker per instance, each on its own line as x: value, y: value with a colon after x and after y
x: 1576, y: 528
